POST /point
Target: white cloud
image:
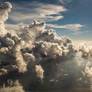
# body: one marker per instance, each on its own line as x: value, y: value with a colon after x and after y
x: 36, y: 10
x: 4, y: 9
x: 72, y: 27
x: 47, y: 58
x: 11, y: 26
x: 65, y: 1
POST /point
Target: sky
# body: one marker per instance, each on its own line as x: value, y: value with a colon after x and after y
x: 70, y: 18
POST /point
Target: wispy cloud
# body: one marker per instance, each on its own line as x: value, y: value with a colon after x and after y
x: 65, y: 1
x: 43, y: 12
x: 37, y: 10
x: 72, y: 27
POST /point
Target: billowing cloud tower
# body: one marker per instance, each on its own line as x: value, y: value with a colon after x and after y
x: 4, y: 9
x: 36, y: 58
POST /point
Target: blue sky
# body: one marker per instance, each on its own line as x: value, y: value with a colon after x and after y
x: 68, y: 17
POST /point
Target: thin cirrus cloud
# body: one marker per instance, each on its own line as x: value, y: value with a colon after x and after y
x: 72, y: 27
x: 37, y: 10
x: 65, y: 1
x: 43, y: 12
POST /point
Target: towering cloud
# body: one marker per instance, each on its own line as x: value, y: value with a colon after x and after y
x: 4, y: 9
x: 38, y: 58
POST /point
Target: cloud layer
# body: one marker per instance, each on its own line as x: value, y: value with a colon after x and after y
x: 34, y: 58
x: 72, y: 27
x: 65, y: 1
x: 40, y: 11
x: 4, y: 9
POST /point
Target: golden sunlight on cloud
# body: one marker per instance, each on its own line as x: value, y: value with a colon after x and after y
x: 87, y: 42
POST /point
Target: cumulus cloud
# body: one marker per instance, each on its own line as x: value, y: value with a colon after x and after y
x: 4, y: 9
x: 40, y: 59
x: 72, y: 27
x: 38, y: 11
x: 13, y: 26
